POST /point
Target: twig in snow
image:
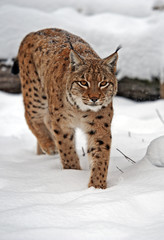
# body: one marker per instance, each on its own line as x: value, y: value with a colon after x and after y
x: 159, y: 115
x: 83, y: 152
x: 129, y: 159
x: 119, y: 169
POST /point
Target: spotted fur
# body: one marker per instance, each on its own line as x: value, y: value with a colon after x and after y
x: 65, y: 86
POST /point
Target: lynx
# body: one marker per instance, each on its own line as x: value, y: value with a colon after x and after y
x: 65, y: 86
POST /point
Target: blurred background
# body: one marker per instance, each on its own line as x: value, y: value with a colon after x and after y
x: 135, y: 24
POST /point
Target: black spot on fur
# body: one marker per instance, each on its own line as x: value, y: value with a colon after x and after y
x: 107, y: 147
x: 99, y: 117
x: 35, y: 94
x: 91, y: 123
x: 100, y: 142
x: 44, y: 97
x: 71, y: 138
x: 65, y: 135
x: 56, y: 131
x: 92, y: 132
x: 35, y: 106
x: 35, y: 89
x: 60, y: 142
x: 36, y: 100
x: 91, y: 150
x: 84, y: 116
x: 106, y: 125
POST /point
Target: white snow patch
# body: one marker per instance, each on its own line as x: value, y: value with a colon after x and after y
x: 40, y: 200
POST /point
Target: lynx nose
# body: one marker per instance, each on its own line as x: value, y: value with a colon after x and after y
x: 94, y: 99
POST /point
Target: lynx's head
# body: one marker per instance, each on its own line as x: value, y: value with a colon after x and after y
x: 92, y: 83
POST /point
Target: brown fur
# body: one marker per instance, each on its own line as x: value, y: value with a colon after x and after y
x: 62, y: 91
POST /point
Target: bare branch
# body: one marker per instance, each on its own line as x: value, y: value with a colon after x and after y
x: 159, y: 115
x: 119, y: 169
x: 129, y: 159
x: 83, y: 152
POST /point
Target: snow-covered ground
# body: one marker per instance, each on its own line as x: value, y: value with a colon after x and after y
x: 40, y: 200
x: 104, y: 24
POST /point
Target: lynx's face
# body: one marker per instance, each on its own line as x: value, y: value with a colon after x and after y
x: 92, y: 84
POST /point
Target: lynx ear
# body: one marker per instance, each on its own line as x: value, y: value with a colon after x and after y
x: 111, y: 61
x: 75, y: 60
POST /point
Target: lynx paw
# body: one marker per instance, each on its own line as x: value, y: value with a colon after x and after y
x: 98, y: 184
x: 49, y: 148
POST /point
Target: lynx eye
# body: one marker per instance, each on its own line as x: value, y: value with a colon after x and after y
x: 83, y: 84
x: 103, y: 84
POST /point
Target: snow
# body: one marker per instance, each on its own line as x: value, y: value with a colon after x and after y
x: 40, y: 200
x: 105, y: 25
x: 155, y: 153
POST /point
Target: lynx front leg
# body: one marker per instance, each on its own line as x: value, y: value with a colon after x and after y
x: 98, y: 151
x: 66, y: 145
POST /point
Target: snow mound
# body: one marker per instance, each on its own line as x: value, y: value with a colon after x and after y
x: 155, y: 152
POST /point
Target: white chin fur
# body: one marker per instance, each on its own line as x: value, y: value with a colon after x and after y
x: 85, y: 107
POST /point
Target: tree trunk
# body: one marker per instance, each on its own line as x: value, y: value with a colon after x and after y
x: 162, y: 90
x: 8, y: 82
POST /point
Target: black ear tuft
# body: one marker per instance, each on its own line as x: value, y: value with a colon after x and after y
x: 111, y: 61
x: 15, y: 67
x: 118, y: 48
